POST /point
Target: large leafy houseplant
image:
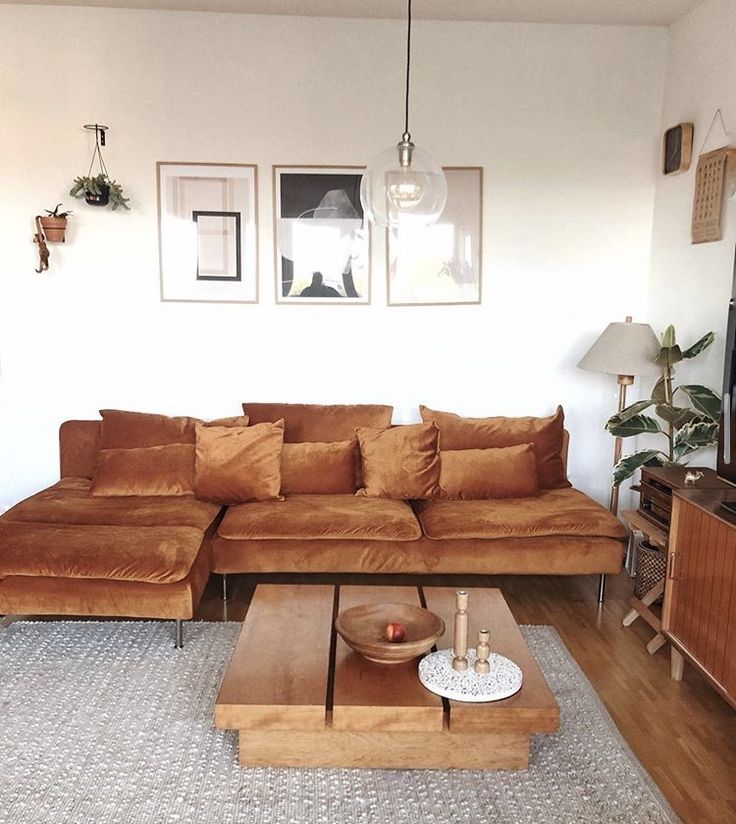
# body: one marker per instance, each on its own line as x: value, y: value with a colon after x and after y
x: 687, y: 416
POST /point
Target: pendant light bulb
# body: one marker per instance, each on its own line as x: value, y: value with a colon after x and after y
x: 403, y: 183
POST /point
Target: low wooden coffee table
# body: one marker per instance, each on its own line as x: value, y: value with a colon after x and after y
x: 300, y: 697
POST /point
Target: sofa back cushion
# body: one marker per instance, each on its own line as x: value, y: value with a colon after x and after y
x: 78, y: 447
x: 402, y: 462
x: 148, y: 470
x: 546, y: 434
x: 320, y: 423
x: 499, y: 472
x: 234, y: 464
x: 131, y: 430
x: 319, y: 468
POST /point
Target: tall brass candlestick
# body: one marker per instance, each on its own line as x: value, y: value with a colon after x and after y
x: 460, y: 661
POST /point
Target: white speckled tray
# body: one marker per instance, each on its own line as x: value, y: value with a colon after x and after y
x: 438, y: 676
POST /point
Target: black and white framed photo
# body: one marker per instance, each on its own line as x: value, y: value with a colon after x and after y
x: 208, y: 241
x: 440, y: 264
x: 321, y: 238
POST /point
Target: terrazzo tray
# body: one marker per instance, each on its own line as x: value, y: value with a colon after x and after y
x: 438, y: 676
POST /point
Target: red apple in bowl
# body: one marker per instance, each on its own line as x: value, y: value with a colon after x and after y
x: 395, y: 632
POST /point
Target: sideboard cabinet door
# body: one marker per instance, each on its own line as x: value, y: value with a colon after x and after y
x: 700, y: 601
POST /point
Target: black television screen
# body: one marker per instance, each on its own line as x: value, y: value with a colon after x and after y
x: 726, y: 463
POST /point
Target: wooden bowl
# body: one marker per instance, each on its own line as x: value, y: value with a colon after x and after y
x: 363, y: 629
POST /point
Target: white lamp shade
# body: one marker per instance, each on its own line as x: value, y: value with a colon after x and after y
x: 624, y: 349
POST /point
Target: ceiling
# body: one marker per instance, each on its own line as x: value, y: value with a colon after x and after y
x: 610, y: 12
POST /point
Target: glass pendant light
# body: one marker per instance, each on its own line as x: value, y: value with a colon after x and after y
x: 403, y: 184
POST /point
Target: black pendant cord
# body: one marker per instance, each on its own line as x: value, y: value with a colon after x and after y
x: 407, y: 136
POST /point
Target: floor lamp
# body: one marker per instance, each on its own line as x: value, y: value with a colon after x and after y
x: 625, y: 350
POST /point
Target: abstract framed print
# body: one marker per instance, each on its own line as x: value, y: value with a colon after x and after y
x: 440, y: 264
x: 321, y: 237
x: 208, y: 224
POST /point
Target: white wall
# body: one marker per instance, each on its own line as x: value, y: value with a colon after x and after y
x: 564, y: 119
x: 691, y: 284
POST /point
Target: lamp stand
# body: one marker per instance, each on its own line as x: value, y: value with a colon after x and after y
x: 623, y: 382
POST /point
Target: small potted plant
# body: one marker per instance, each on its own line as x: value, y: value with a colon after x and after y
x: 53, y: 225
x: 99, y: 191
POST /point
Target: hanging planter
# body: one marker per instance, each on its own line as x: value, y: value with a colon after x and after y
x: 99, y: 189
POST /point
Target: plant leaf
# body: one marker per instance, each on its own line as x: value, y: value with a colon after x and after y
x: 695, y: 436
x: 626, y: 467
x: 676, y: 415
x: 704, y: 400
x: 699, y: 346
x: 635, y: 425
x: 629, y: 412
x: 668, y: 356
x: 658, y: 393
x: 668, y: 337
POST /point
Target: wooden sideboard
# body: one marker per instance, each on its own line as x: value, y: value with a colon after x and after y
x: 699, y: 615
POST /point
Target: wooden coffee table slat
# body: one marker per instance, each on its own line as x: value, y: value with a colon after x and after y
x: 277, y: 678
x: 275, y: 690
x: 376, y: 697
x: 533, y: 708
x: 387, y: 750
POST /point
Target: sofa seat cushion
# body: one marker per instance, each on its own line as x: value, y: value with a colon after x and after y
x: 69, y: 502
x: 151, y: 554
x: 336, y: 517
x: 552, y: 512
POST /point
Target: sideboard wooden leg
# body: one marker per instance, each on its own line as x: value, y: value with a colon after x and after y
x: 677, y: 664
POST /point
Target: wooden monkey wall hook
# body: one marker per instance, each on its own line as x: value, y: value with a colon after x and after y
x: 43, y: 249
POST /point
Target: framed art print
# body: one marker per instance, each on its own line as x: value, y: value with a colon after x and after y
x: 208, y: 242
x: 441, y: 263
x: 321, y: 235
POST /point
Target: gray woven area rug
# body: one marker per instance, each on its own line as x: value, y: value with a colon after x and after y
x: 105, y: 723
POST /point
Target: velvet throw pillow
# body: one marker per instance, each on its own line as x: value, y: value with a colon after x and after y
x: 131, y: 430
x: 313, y: 468
x: 152, y: 470
x: 318, y: 422
x: 546, y: 434
x: 234, y: 464
x: 402, y: 462
x: 499, y: 472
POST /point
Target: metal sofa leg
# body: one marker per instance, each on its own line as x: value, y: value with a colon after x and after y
x: 224, y: 587
x: 179, y: 634
x: 602, y: 588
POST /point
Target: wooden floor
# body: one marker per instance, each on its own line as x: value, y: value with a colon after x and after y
x: 683, y: 733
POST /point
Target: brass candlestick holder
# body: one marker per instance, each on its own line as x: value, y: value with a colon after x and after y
x: 460, y: 644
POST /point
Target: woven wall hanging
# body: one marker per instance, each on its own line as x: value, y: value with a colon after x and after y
x: 710, y: 184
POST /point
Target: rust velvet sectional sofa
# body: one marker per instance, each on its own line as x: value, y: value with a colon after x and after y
x: 81, y: 548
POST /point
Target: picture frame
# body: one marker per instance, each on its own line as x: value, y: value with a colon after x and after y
x: 208, y: 232
x: 321, y: 236
x: 441, y: 264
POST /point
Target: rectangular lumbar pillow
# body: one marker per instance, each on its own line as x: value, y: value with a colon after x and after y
x: 131, y: 430
x: 499, y: 472
x: 319, y: 422
x: 402, y: 462
x: 234, y: 464
x: 150, y: 470
x: 313, y: 468
x: 546, y: 434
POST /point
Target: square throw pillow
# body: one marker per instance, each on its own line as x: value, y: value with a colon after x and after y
x: 151, y: 470
x: 546, y: 434
x: 234, y: 464
x: 402, y: 462
x: 314, y: 468
x: 501, y: 472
